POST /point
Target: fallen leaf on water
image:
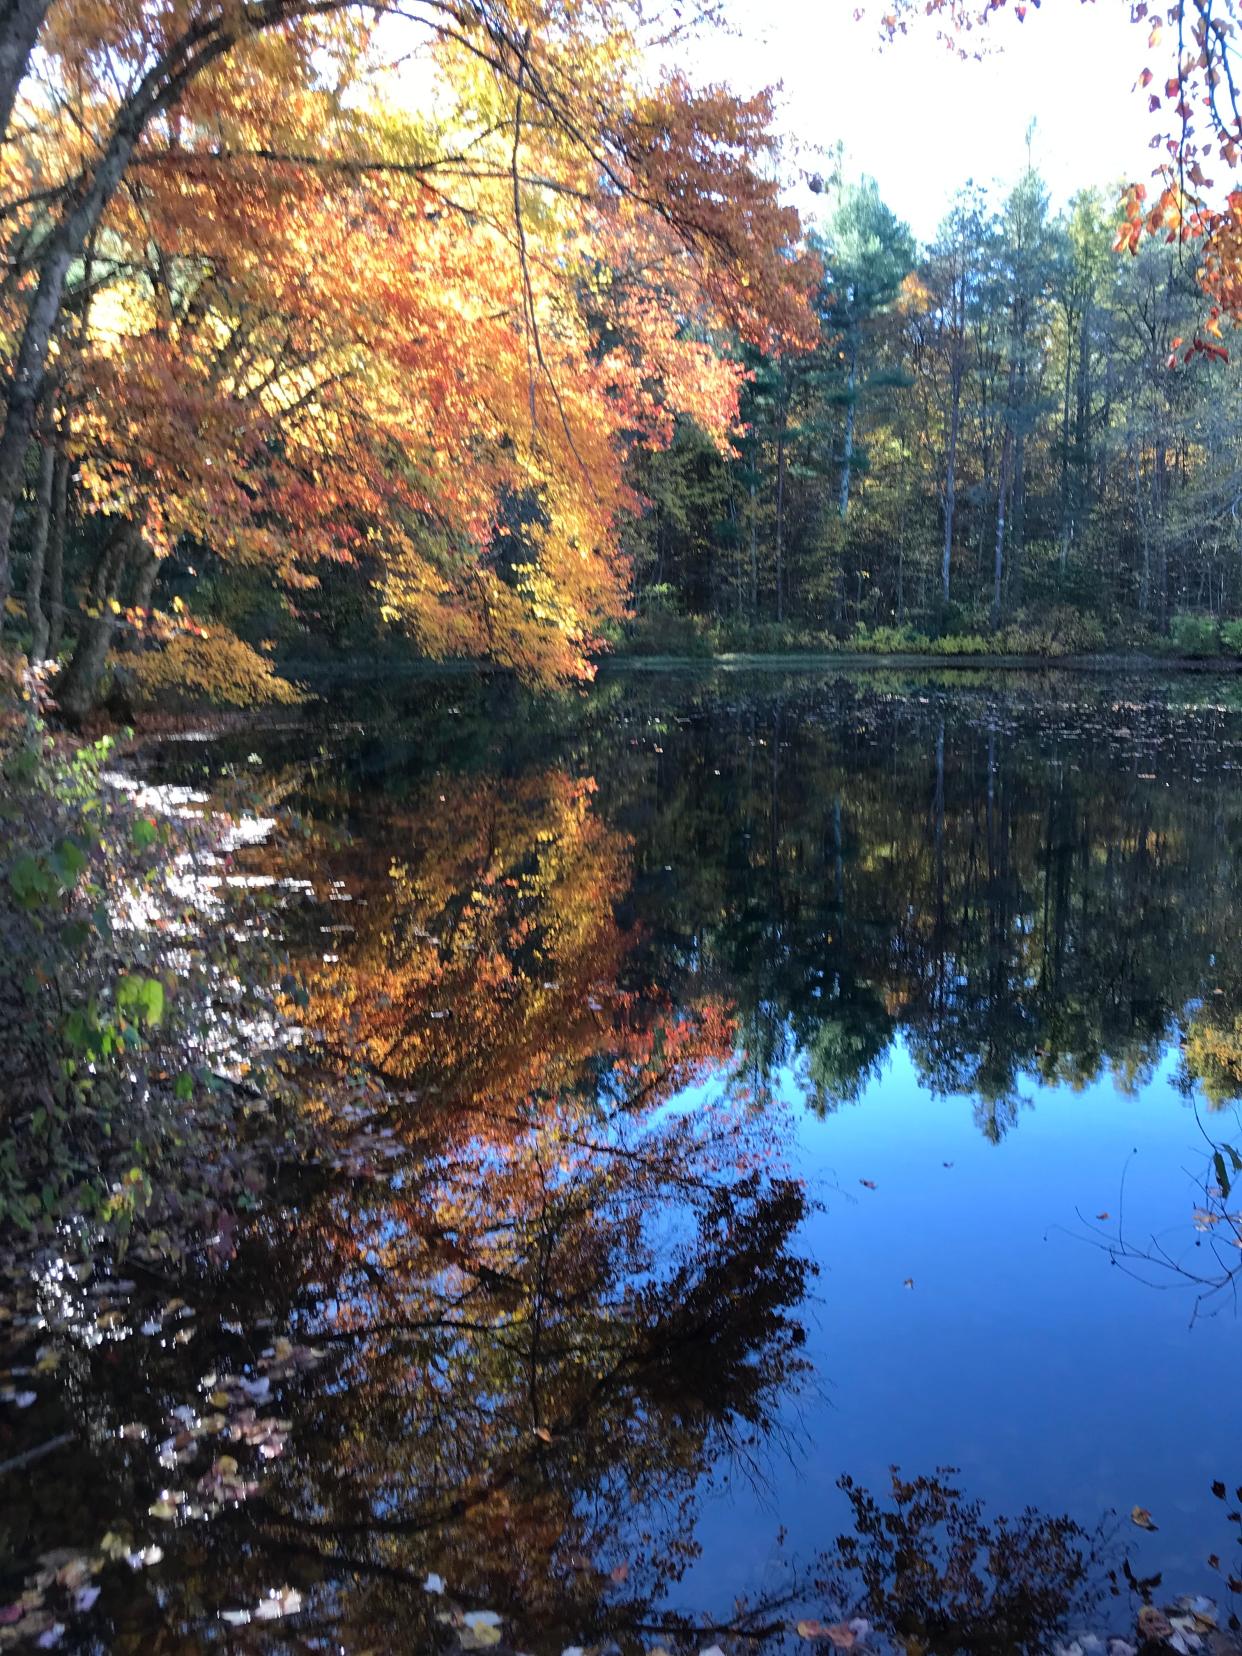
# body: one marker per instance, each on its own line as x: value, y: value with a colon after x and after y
x: 841, y: 1635
x: 1101, y: 1215
x: 479, y: 1629
x: 870, y: 1183
x: 908, y: 1283
x: 1140, y: 1516
x: 1218, y: 1489
x: 1153, y: 1623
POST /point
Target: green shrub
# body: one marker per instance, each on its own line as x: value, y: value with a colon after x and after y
x: 888, y: 640
x: 111, y: 1105
x: 964, y: 644
x: 1058, y: 631
x: 1231, y: 637
x: 1194, y: 635
x: 660, y: 632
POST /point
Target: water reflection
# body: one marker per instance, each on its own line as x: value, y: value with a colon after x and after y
x: 568, y: 996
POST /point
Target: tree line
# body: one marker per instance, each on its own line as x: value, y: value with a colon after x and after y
x: 330, y: 325
x: 998, y: 431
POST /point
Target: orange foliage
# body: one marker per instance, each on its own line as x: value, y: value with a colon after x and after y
x: 322, y: 326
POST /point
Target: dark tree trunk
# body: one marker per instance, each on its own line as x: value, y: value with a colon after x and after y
x: 78, y: 689
x: 201, y: 44
x: 145, y: 576
x: 780, y: 514
x: 35, y: 611
x: 950, y: 481
x: 54, y: 580
x: 20, y: 22
x: 847, y: 446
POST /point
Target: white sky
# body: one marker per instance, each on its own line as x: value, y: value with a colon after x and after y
x: 921, y: 121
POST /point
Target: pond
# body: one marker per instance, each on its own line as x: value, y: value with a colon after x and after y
x: 762, y: 1082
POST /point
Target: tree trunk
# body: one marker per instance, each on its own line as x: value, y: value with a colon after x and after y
x: 847, y: 447
x: 1002, y: 491
x: 78, y: 687
x: 754, y: 555
x: 20, y: 22
x: 1063, y: 554
x: 998, y: 558
x: 780, y: 516
x: 950, y: 479
x: 140, y: 596
x: 55, y: 576
x: 201, y: 44
x: 35, y: 612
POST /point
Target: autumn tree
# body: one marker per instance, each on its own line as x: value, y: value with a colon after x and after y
x: 549, y: 187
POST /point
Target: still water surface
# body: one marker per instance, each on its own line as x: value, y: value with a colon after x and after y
x: 760, y: 1082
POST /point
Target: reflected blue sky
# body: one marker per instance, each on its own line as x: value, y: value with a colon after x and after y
x: 1022, y: 1355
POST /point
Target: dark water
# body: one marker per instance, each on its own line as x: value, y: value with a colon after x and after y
x: 752, y: 1083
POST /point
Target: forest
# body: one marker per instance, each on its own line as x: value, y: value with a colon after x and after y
x: 997, y: 432
x: 620, y: 879
x: 368, y: 332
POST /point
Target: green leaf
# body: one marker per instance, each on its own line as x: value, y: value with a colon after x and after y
x: 32, y: 883
x: 144, y: 833
x: 68, y: 860
x: 141, y: 996
x: 1222, y: 1173
x: 183, y: 1088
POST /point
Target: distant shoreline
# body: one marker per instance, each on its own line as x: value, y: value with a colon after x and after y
x: 1100, y: 662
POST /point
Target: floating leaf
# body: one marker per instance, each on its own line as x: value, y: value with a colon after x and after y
x: 1140, y: 1516
x: 479, y: 1629
x: 1153, y: 1624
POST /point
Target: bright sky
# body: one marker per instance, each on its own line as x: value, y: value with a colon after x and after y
x: 922, y: 122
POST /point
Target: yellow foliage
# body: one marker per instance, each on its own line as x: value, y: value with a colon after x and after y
x: 216, y: 666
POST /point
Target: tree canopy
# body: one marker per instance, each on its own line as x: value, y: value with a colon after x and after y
x: 308, y: 283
